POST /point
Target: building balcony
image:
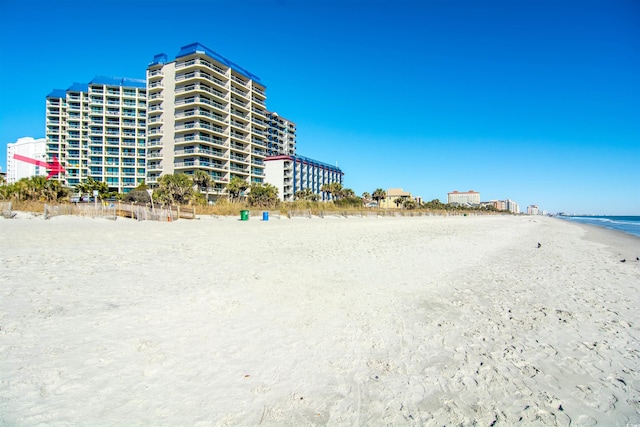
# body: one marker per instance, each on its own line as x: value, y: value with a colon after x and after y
x: 258, y: 101
x: 239, y: 125
x: 258, y: 91
x: 199, y: 137
x: 239, y: 158
x: 239, y: 104
x: 239, y: 136
x: 258, y: 122
x: 259, y: 112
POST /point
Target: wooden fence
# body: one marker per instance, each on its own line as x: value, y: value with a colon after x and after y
x: 5, y: 210
x: 308, y: 213
x: 112, y: 210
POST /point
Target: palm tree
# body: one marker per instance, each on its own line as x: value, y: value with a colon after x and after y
x: 236, y: 187
x: 379, y: 194
x: 334, y: 190
x: 176, y: 188
x: 366, y: 197
x: 263, y: 195
x: 90, y: 185
x: 306, y: 194
x: 409, y: 204
x: 201, y: 180
x: 347, y: 193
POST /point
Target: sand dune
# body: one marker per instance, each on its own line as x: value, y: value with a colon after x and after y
x: 336, y: 321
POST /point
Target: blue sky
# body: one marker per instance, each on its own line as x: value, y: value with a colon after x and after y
x: 536, y: 101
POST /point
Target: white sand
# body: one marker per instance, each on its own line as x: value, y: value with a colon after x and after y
x: 336, y: 321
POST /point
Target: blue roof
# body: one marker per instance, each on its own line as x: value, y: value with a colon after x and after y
x: 119, y: 81
x: 78, y: 87
x: 200, y: 48
x: 160, y: 58
x: 316, y: 162
x: 57, y: 93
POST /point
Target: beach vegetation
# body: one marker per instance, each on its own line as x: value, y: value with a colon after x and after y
x: 87, y: 188
x: 201, y: 180
x: 263, y: 195
x: 35, y: 188
x: 334, y: 190
x: 306, y: 194
x: 379, y: 194
x: 237, y: 187
x: 138, y: 195
x: 175, y: 189
x: 409, y: 204
x: 351, y: 201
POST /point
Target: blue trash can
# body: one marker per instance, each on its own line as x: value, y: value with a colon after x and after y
x: 265, y: 216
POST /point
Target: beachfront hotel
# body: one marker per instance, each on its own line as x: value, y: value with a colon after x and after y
x: 208, y: 114
x: 97, y: 130
x: 463, y: 198
x: 290, y: 174
x: 281, y: 135
x: 27, y: 147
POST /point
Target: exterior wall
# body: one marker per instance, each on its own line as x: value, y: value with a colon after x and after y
x: 471, y: 197
x: 512, y: 206
x: 279, y: 172
x: 28, y: 147
x: 393, y: 194
x: 281, y: 138
x: 295, y: 173
x: 205, y: 113
x: 98, y: 130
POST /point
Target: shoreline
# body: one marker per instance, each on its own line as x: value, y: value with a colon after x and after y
x: 344, y: 321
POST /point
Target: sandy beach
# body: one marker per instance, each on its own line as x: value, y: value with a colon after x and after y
x: 419, y: 321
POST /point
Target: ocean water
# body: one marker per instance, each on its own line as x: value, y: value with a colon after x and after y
x: 627, y: 224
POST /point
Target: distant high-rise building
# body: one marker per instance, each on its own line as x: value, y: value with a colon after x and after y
x: 512, y: 206
x: 290, y: 174
x: 533, y: 210
x: 208, y: 114
x: 468, y: 197
x: 98, y: 130
x: 281, y: 138
x: 27, y: 147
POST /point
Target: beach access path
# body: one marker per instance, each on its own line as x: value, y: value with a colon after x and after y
x: 422, y: 321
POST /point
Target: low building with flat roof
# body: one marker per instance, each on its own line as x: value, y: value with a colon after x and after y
x: 290, y: 174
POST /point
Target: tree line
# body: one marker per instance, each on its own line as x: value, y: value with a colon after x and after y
x: 183, y: 189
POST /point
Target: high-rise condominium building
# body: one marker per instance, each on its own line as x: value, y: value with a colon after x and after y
x: 97, y: 130
x: 205, y: 114
x: 27, y: 147
x: 281, y: 138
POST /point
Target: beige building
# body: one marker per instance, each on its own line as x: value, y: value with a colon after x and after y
x: 97, y: 130
x: 205, y: 113
x: 392, y: 194
x: 463, y: 198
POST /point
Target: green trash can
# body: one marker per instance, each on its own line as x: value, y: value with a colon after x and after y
x: 244, y: 215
